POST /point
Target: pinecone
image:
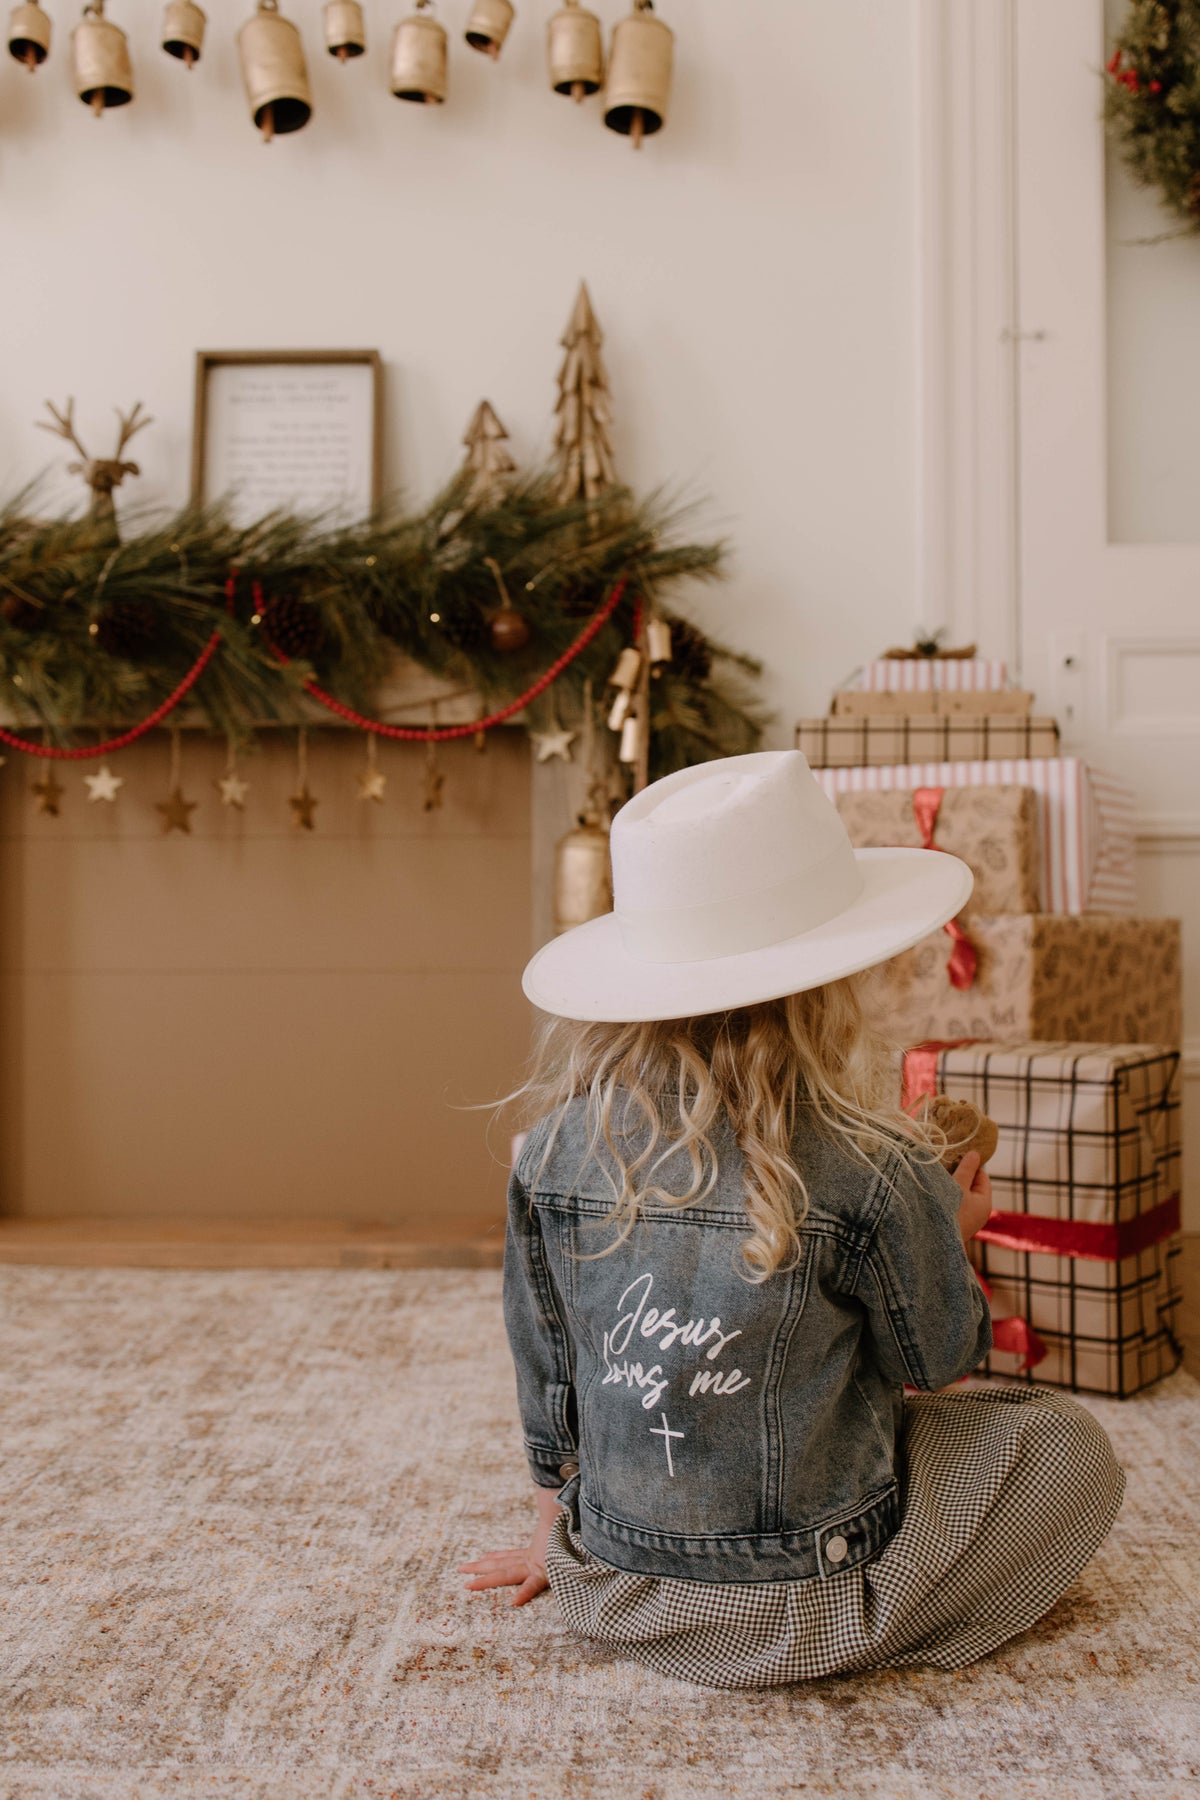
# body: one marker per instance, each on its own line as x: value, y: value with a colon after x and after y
x: 466, y: 627
x: 294, y: 626
x: 128, y: 629
x: 691, y: 658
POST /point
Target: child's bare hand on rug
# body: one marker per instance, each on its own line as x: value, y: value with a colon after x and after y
x: 524, y: 1569
x: 976, y: 1185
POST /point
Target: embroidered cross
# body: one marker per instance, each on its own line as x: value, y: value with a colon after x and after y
x: 666, y: 1434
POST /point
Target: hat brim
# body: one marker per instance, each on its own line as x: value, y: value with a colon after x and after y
x: 588, y: 974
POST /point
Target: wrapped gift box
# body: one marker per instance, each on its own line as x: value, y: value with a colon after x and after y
x: 1085, y: 821
x: 994, y: 830
x: 1081, y: 1254
x: 1038, y: 975
x: 841, y: 743
x: 888, y: 703
x: 919, y: 674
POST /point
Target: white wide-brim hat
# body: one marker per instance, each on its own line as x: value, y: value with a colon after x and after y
x: 734, y: 882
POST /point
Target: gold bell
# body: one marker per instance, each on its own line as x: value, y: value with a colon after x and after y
x: 582, y: 874
x: 487, y: 26
x: 639, y: 74
x: 100, y: 60
x: 29, y: 35
x: 419, y: 58
x: 575, y: 51
x: 629, y: 667
x: 183, y: 31
x: 345, y: 33
x: 274, y: 71
x: 658, y: 642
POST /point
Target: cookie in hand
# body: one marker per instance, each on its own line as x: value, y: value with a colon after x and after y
x: 966, y: 1127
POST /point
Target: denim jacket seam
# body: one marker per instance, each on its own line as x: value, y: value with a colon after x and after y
x: 560, y: 1339
x: 779, y: 1382
x: 875, y: 1498
x: 909, y: 1356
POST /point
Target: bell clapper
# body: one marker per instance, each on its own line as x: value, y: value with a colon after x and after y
x: 267, y: 126
x: 636, y: 128
x: 189, y: 59
x: 98, y: 102
x: 578, y: 92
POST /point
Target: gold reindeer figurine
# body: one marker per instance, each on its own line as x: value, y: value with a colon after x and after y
x: 102, y: 473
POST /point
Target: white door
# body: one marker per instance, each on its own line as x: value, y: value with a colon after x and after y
x: 1106, y: 488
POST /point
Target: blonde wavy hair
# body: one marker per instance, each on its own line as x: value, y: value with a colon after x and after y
x: 808, y: 1059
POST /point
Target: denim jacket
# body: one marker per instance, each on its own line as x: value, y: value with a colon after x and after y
x: 714, y: 1428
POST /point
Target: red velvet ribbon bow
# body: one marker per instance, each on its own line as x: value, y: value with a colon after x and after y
x: 927, y: 803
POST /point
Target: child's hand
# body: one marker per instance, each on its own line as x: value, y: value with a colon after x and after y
x: 523, y: 1569
x: 976, y: 1185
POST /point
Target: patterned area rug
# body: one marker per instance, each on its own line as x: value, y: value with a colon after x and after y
x: 230, y: 1510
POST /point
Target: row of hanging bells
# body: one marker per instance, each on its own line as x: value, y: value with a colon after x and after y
x: 637, y: 88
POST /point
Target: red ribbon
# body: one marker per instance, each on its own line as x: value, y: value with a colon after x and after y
x: 918, y: 1072
x: 1084, y: 1238
x: 964, y: 961
x: 1015, y: 1335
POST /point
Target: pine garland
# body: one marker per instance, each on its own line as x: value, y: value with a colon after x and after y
x: 1152, y: 101
x: 94, y: 632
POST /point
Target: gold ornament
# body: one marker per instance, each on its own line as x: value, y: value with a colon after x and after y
x: 303, y: 803
x: 639, y: 74
x: 583, y: 411
x: 100, y: 61
x: 658, y: 642
x: 582, y: 873
x: 102, y: 473
x: 29, y: 35
x: 487, y: 461
x: 419, y: 58
x: 103, y: 784
x: 345, y: 33
x: 575, y: 51
x: 274, y: 72
x: 372, y: 781
x: 183, y: 31
x: 49, y: 792
x: 487, y: 26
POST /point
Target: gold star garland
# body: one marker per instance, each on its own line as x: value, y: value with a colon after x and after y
x: 175, y: 810
x: 303, y: 803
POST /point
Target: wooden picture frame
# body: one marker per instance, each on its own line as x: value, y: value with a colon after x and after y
x: 266, y: 422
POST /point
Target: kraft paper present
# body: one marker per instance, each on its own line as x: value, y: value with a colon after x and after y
x: 949, y: 674
x: 887, y: 703
x: 994, y: 831
x: 1038, y: 975
x: 1088, y: 1168
x: 1085, y: 821
x: 841, y: 743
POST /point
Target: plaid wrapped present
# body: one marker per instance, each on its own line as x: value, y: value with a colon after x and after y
x: 1081, y: 1255
x: 841, y: 743
x: 1036, y: 975
x: 947, y: 674
x: 1085, y: 822
x: 994, y: 830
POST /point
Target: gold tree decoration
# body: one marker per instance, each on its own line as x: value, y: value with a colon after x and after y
x: 487, y: 465
x: 583, y: 411
x: 102, y: 473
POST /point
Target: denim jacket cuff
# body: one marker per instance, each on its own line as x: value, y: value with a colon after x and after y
x: 549, y: 1467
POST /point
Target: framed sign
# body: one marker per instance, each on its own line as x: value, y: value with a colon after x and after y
x: 288, y: 430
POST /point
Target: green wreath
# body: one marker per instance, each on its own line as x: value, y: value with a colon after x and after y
x: 1152, y: 101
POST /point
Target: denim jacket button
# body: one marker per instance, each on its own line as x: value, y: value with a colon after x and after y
x: 567, y: 1470
x: 836, y: 1549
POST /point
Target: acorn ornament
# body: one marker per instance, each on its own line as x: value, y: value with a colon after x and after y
x: 639, y: 74
x: 183, y: 31
x: 345, y: 32
x: 29, y: 35
x: 274, y: 72
x: 575, y: 51
x: 100, y: 61
x: 507, y: 628
x: 419, y: 58
x: 487, y: 26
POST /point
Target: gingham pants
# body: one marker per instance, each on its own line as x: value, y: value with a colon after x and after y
x: 1007, y: 1493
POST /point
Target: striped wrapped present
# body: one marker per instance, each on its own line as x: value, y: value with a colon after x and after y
x: 1085, y: 820
x: 948, y: 674
x: 1081, y: 1254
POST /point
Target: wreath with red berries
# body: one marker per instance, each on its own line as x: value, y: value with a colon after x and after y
x: 1152, y: 101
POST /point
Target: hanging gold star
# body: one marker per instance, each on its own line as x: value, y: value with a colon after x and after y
x: 103, y: 784
x: 176, y: 811
x: 49, y: 791
x: 371, y: 784
x: 553, y: 743
x: 303, y: 805
x: 233, y: 790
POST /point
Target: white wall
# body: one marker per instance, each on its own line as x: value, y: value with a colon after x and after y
x: 752, y: 267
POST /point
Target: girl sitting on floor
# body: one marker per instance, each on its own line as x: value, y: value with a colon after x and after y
x: 729, y: 1253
